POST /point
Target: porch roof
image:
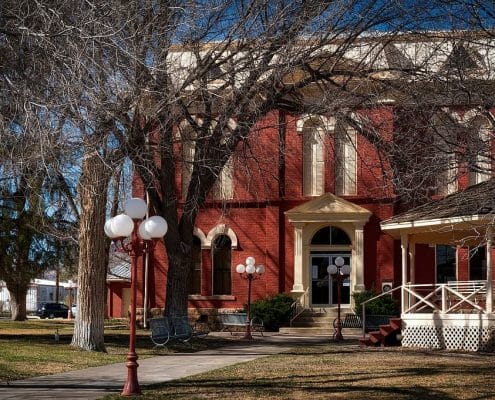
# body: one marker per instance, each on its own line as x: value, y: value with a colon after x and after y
x: 460, y: 218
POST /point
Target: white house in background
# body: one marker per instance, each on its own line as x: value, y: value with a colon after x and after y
x: 39, y: 291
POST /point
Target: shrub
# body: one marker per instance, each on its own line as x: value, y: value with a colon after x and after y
x: 385, y: 305
x: 274, y: 310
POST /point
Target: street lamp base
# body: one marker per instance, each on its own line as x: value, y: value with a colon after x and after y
x: 338, y: 337
x: 248, y: 335
x: 131, y: 386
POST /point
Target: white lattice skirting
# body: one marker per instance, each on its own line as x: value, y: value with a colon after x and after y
x: 452, y: 332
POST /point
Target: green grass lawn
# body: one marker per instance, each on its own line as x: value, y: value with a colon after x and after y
x: 28, y: 348
x: 343, y: 371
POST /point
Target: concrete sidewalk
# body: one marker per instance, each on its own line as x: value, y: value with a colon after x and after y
x: 96, y: 382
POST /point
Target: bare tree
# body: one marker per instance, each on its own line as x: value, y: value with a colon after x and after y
x: 203, y: 75
x: 149, y: 80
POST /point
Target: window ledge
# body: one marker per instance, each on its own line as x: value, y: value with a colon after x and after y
x: 224, y: 297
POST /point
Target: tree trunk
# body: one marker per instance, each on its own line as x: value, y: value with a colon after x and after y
x: 93, y: 186
x: 18, y: 294
x: 178, y: 269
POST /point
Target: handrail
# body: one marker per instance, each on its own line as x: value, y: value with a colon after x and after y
x: 297, y: 307
x: 363, y: 304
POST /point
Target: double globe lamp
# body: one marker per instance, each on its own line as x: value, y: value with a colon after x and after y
x: 340, y: 272
x: 143, y: 234
x: 250, y: 272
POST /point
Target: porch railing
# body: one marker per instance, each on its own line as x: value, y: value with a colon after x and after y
x: 298, y: 306
x: 363, y: 306
x: 451, y: 297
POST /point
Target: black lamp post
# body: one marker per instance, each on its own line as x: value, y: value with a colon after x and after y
x: 249, y: 272
x: 143, y: 235
x: 339, y: 272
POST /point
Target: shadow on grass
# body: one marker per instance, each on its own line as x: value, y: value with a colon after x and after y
x: 350, y: 387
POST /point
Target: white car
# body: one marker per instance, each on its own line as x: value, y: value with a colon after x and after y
x: 73, y: 311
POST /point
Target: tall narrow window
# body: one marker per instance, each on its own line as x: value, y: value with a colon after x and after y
x: 477, y: 263
x: 446, y: 263
x: 447, y: 175
x: 194, y: 281
x: 313, y: 160
x: 479, y: 159
x: 222, y: 253
x: 224, y: 185
x: 444, y: 154
x: 188, y: 150
x: 345, y: 160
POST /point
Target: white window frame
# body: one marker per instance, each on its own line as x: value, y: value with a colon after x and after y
x: 345, y: 161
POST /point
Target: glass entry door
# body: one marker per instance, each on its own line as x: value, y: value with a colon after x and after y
x: 323, y: 288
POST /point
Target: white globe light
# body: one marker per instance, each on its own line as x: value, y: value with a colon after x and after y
x: 346, y: 270
x: 108, y: 229
x: 142, y: 232
x: 156, y: 227
x: 250, y: 261
x: 135, y: 208
x: 121, y: 225
x: 240, y: 269
x: 260, y: 269
x: 339, y: 261
x: 332, y: 269
x: 250, y: 269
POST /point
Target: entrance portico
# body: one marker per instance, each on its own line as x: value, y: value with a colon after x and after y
x: 310, y: 218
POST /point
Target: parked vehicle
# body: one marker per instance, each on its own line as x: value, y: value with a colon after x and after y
x: 52, y: 310
x: 74, y: 310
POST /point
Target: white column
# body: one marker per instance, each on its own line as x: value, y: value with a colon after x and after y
x: 357, y: 273
x: 412, y: 269
x: 412, y: 262
x: 489, y: 280
x: 298, y: 261
x: 404, y: 244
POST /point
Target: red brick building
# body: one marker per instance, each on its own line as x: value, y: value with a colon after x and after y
x: 295, y: 219
x: 305, y: 189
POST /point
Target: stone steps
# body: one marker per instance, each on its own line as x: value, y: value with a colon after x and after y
x: 317, y: 321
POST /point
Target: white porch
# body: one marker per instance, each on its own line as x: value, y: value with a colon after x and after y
x: 455, y: 315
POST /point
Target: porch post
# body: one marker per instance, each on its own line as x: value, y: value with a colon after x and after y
x: 489, y: 279
x: 357, y: 272
x: 412, y: 270
x: 404, y: 238
x: 298, y: 261
x: 412, y: 262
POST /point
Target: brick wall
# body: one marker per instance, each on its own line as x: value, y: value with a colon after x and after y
x: 268, y: 185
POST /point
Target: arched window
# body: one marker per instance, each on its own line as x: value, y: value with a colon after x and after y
x: 345, y: 160
x: 194, y: 281
x: 331, y: 235
x: 222, y: 254
x: 313, y: 160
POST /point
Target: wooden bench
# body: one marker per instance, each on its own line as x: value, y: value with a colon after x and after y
x: 238, y: 320
x: 164, y: 329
